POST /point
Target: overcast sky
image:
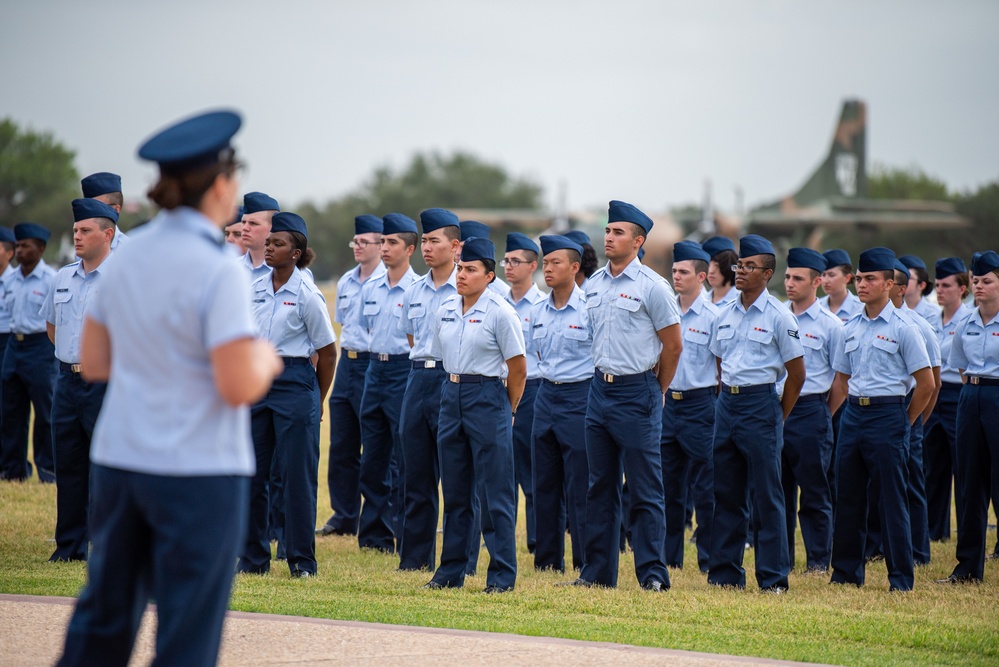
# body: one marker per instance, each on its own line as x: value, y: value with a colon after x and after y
x: 640, y: 101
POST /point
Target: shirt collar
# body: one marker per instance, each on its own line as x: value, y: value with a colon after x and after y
x: 451, y: 279
x: 885, y: 314
x: 575, y: 299
x: 195, y: 221
x: 34, y: 272
x: 760, y: 303
x: 977, y: 318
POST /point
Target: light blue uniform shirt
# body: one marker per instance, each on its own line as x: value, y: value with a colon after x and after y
x: 4, y: 311
x: 524, y: 307
x: 294, y: 319
x: 976, y: 346
x: 561, y: 339
x: 928, y: 311
x: 880, y: 354
x: 929, y: 339
x: 697, y: 368
x: 419, y: 306
x: 820, y: 333
x: 500, y: 287
x: 626, y: 312
x: 851, y: 306
x: 25, y: 295
x: 731, y: 295
x: 165, y: 312
x: 946, y: 332
x: 755, y: 344
x: 480, y: 341
x: 118, y: 238
x: 72, y: 291
x: 257, y: 272
x: 353, y: 334
x: 381, y: 310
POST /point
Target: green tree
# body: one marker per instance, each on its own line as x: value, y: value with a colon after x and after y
x: 37, y: 180
x: 458, y: 180
x: 912, y: 182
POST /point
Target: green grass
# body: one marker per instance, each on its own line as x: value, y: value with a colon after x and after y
x: 815, y: 622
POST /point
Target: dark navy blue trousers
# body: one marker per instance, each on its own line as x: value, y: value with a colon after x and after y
x: 421, y: 409
x: 561, y: 472
x: 688, y: 428
x: 872, y: 450
x: 75, y: 406
x: 381, y: 408
x: 345, y: 442
x: 172, y: 539
x: 285, y: 426
x: 748, y: 439
x: 939, y: 461
x: 916, y: 493
x: 476, y: 450
x: 29, y: 370
x: 623, y: 427
x: 522, y: 426
x: 808, y: 446
x: 977, y: 474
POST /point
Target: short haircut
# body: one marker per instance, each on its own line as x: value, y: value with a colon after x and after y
x: 637, y: 230
x: 104, y: 223
x: 8, y: 245
x: 813, y: 274
x: 900, y: 277
x: 451, y: 232
x: 112, y: 199
x: 887, y: 274
x: 573, y: 256
x: 769, y: 262
x: 700, y: 266
x: 530, y: 255
x: 409, y: 238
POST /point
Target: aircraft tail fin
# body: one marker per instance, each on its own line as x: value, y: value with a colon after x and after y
x: 844, y: 171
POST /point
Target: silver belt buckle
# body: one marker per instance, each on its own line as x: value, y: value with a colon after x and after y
x: 608, y: 378
x: 430, y: 363
x: 973, y: 379
x: 76, y: 368
x: 382, y: 356
x: 454, y: 377
x: 865, y: 401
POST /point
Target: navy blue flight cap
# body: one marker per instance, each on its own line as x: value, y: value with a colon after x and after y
x: 986, y: 263
x: 85, y: 209
x: 717, y: 244
x: 473, y: 228
x: 578, y: 236
x: 101, y: 183
x: 912, y: 262
x: 478, y: 248
x: 902, y: 268
x: 397, y: 223
x: 754, y: 244
x: 876, y: 259
x: 7, y: 235
x: 619, y: 211
x: 551, y: 243
x: 289, y: 222
x: 974, y: 258
x: 193, y: 142
x: 805, y: 258
x: 684, y: 250
x: 29, y: 230
x: 368, y: 224
x: 518, y: 241
x: 434, y: 218
x: 949, y: 266
x: 837, y: 257
x: 255, y: 202
x: 236, y: 218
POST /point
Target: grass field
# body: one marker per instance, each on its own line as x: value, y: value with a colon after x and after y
x: 817, y: 622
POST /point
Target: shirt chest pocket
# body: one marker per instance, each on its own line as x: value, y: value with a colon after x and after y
x: 539, y: 331
x: 575, y: 333
x: 695, y: 344
x: 370, y: 308
x: 630, y: 305
x: 885, y: 354
x: 760, y: 343
x: 63, y: 301
x: 725, y: 337
x: 417, y: 312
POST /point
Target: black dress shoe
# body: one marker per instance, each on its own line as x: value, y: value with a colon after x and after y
x: 655, y: 586
x: 490, y: 590
x: 302, y: 574
x: 328, y: 530
x: 582, y: 583
x: 774, y: 590
x: 959, y: 579
x: 433, y: 585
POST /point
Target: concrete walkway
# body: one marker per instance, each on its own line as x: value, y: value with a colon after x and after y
x: 32, y: 630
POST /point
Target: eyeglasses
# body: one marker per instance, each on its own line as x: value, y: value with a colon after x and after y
x: 746, y: 268
x: 362, y: 244
x: 513, y: 262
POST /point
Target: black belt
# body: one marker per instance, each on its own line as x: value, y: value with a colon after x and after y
x: 865, y: 401
x: 814, y: 398
x: 296, y: 361
x: 560, y: 384
x: 428, y: 363
x: 985, y: 382
x: 354, y: 354
x: 532, y: 382
x: 689, y: 394
x: 622, y: 379
x: 951, y: 386
x: 70, y: 368
x: 380, y: 356
x: 747, y: 388
x: 32, y: 336
x: 459, y: 378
